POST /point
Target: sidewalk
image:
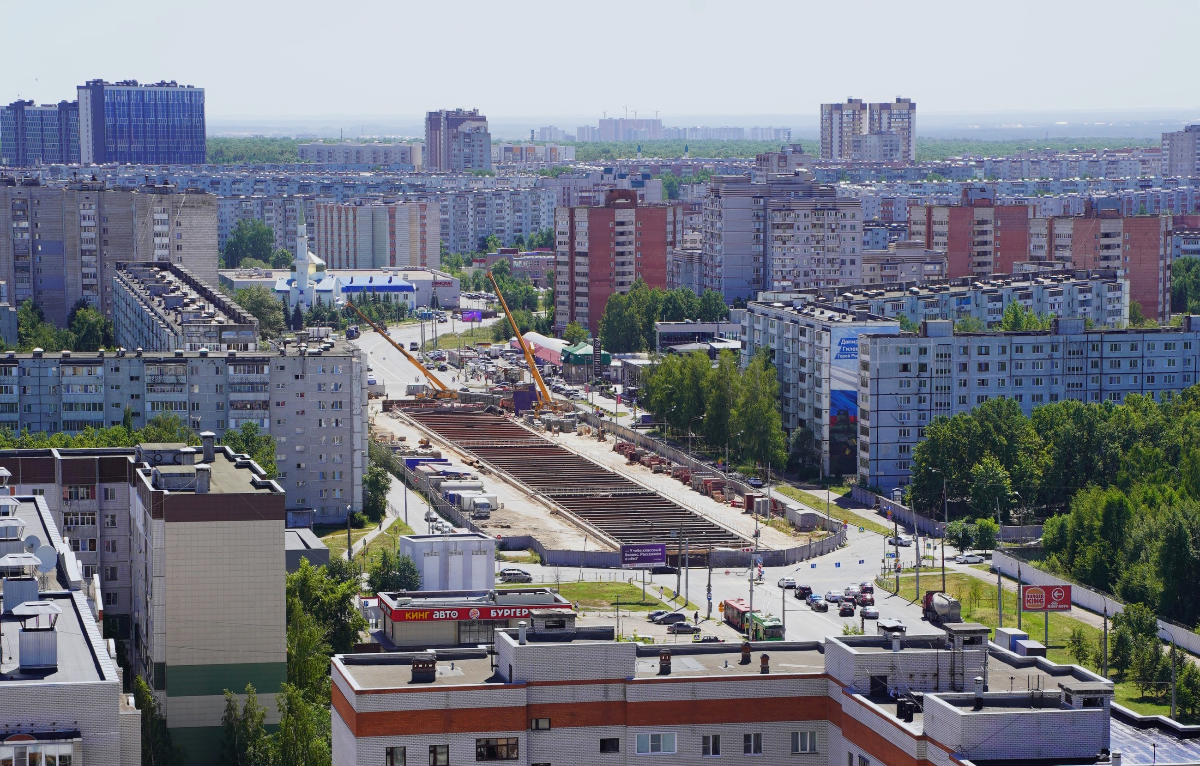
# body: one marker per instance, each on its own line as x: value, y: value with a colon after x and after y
x: 394, y: 513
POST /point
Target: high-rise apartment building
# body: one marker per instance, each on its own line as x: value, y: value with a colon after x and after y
x: 813, y: 241
x: 604, y: 250
x: 366, y: 235
x: 186, y: 545
x: 1181, y: 153
x: 125, y: 122
x: 857, y: 131
x: 39, y: 135
x: 310, y: 399
x: 457, y: 141
x: 59, y: 245
x: 979, y: 237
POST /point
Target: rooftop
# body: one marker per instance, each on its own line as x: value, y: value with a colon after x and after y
x: 460, y: 598
x: 177, y: 298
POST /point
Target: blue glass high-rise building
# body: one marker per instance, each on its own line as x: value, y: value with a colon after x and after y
x: 125, y: 122
x: 38, y: 135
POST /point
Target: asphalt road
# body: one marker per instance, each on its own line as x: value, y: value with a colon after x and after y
x: 392, y: 368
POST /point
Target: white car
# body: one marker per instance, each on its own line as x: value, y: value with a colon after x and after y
x: 968, y: 558
x: 786, y: 582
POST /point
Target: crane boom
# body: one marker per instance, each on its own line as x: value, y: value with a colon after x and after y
x: 443, y: 391
x: 544, y: 399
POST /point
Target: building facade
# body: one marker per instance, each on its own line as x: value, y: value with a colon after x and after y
x: 161, y: 307
x: 899, y: 262
x: 813, y: 241
x: 607, y: 702
x: 1181, y: 153
x: 378, y: 235
x: 979, y: 237
x: 187, y: 546
x: 457, y: 141
x: 61, y: 245
x: 898, y: 118
x: 405, y: 156
x: 600, y: 251
x: 310, y: 399
x: 909, y: 379
x: 39, y: 135
x: 125, y: 122
x: 855, y: 131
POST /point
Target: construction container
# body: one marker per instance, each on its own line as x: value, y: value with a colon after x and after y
x: 460, y: 485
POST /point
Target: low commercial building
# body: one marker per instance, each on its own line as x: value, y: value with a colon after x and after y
x: 163, y: 307
x: 187, y: 546
x: 61, y: 700
x: 464, y: 561
x: 906, y: 380
x: 420, y: 619
x: 311, y: 399
x: 866, y: 700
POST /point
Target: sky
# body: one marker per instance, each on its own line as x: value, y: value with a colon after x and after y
x: 572, y: 61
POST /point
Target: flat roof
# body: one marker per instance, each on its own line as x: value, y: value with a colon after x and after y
x: 459, y: 598
x: 302, y: 540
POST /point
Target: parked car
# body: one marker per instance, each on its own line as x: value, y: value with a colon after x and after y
x: 968, y: 558
x: 699, y: 639
x: 682, y: 627
x: 869, y: 613
x: 671, y: 618
x: 515, y: 575
x: 901, y: 541
x: 414, y: 346
x: 656, y: 614
x: 817, y: 603
x: 833, y: 597
x: 756, y: 482
x: 846, y: 609
x: 787, y: 582
x: 865, y: 599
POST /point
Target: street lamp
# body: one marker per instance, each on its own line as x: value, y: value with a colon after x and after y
x: 945, y: 522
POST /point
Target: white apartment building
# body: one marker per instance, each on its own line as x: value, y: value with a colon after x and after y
x: 860, y: 700
x: 60, y: 686
x: 899, y: 263
x: 814, y: 347
x: 380, y: 234
x: 1181, y: 152
x: 908, y: 379
x: 406, y: 156
x: 311, y: 399
x: 183, y: 550
x: 815, y: 241
x: 468, y: 217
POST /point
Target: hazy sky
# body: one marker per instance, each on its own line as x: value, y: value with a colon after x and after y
x: 572, y: 59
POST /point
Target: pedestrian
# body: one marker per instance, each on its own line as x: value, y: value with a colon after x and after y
x: 696, y: 617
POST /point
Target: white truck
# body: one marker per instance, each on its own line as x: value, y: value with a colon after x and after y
x: 479, y: 504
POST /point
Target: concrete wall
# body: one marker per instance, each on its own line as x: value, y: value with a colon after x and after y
x: 926, y: 526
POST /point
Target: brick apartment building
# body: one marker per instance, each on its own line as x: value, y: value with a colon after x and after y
x: 604, y: 250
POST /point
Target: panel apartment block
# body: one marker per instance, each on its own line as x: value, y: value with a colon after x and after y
x: 379, y: 235
x: 61, y: 245
x: 311, y: 400
x: 908, y: 379
x: 161, y: 307
x: 407, y: 156
x: 188, y: 546
x: 601, y: 251
x: 457, y: 141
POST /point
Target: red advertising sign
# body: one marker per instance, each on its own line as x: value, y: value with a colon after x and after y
x: 467, y: 613
x: 1045, y: 598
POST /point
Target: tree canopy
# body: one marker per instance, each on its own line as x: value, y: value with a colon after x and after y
x: 263, y: 306
x: 628, y: 321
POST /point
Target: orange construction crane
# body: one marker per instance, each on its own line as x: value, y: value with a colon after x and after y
x: 441, y: 390
x: 544, y: 399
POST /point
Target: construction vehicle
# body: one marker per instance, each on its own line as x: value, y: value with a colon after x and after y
x: 441, y: 390
x: 940, y: 607
x: 544, y: 398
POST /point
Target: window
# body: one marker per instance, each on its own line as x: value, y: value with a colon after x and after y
x: 79, y: 492
x: 496, y: 749
x: 610, y: 744
x: 710, y: 744
x: 752, y: 744
x: 804, y: 742
x: 110, y: 520
x: 655, y: 743
x: 864, y: 761
x: 110, y: 493
x: 393, y: 756
x: 439, y: 755
x: 110, y: 574
x: 540, y: 724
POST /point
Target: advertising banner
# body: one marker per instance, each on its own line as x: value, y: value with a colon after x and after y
x: 1045, y: 598
x: 643, y: 556
x: 843, y: 399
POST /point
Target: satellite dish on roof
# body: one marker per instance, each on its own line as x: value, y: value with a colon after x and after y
x: 32, y: 542
x: 48, y: 558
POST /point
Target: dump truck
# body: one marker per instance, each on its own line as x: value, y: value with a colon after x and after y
x: 941, y: 607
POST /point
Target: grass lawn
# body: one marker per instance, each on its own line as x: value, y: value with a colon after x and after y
x: 386, y: 540
x: 978, y: 599
x: 335, y: 537
x: 459, y: 339
x: 841, y: 514
x: 518, y: 557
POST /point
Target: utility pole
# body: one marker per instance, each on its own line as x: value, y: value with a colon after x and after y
x: 1020, y: 601
x: 999, y: 599
x: 783, y: 611
x: 896, y: 548
x: 1104, y: 644
x: 678, y: 558
x: 687, y: 572
x: 708, y: 590
x: 349, y: 544
x: 945, y: 524
x: 1172, y: 675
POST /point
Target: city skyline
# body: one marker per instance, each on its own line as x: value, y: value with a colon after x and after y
x: 939, y: 77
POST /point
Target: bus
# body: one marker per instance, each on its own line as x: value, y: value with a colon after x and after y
x: 736, y: 610
x: 765, y: 627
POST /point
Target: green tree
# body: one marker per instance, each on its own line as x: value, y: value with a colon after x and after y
x: 250, y: 238
x: 1185, y: 286
x: 1137, y: 318
x: 908, y: 325
x: 243, y: 730
x: 987, y: 534
x: 960, y: 535
x: 389, y: 572
x: 282, y: 258
x: 756, y: 414
x: 721, y: 388
x: 804, y: 454
x: 492, y: 244
x: 376, y: 483
x: 1147, y: 660
x: 263, y: 306
x: 1019, y: 318
x: 91, y: 330
x: 166, y: 428
x: 304, y: 729
x: 330, y: 601
x: 575, y: 333
x: 307, y: 651
x: 297, y: 318
x: 712, y: 307
x: 157, y: 748
x: 991, y: 488
x: 1120, y: 655
x: 1079, y: 647
x: 970, y: 324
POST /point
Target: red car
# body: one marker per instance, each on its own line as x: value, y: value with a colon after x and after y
x: 865, y: 599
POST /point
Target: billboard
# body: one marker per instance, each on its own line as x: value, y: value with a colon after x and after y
x: 1045, y: 598
x: 472, y: 316
x: 469, y: 613
x: 843, y: 399
x: 643, y: 556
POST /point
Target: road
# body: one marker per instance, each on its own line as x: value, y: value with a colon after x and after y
x: 391, y: 367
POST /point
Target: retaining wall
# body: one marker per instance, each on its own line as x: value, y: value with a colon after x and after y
x: 1009, y: 533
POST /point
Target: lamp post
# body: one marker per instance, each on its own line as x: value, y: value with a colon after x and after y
x: 945, y: 522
